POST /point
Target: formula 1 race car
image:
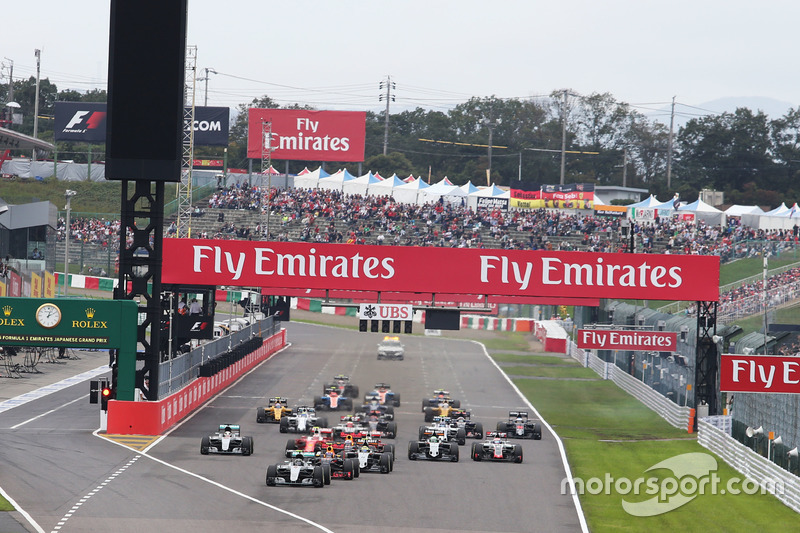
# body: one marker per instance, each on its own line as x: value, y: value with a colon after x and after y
x: 333, y: 401
x: 298, y: 471
x: 374, y: 422
x: 383, y: 394
x: 518, y: 425
x: 374, y: 407
x: 276, y: 409
x: 303, y: 420
x: 444, y: 429
x: 496, y: 447
x: 318, y: 440
x: 433, y: 448
x: 391, y: 348
x: 462, y: 418
x: 341, y: 467
x: 227, y: 440
x: 343, y: 385
x: 371, y: 458
x: 442, y: 410
x: 440, y: 396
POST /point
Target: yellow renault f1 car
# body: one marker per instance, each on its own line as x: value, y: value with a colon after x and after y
x: 278, y: 407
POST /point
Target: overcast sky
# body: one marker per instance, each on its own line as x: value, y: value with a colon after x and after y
x: 334, y: 54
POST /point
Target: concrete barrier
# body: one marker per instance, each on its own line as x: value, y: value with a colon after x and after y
x: 154, y: 418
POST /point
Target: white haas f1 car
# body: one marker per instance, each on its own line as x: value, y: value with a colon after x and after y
x: 434, y: 448
x: 299, y: 471
x: 303, y: 420
x: 496, y: 448
x: 444, y: 428
x: 227, y: 441
x: 519, y: 425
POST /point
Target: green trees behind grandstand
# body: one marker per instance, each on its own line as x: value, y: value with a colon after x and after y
x: 745, y: 153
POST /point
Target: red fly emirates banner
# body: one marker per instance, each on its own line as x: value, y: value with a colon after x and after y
x: 447, y: 270
x: 759, y: 373
x: 609, y: 339
x: 302, y: 135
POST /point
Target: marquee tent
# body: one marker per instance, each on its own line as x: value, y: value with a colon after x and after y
x: 386, y: 187
x: 468, y: 188
x: 447, y: 192
x: 410, y: 193
x: 737, y: 210
x: 310, y: 180
x: 361, y: 184
x: 492, y: 191
x: 335, y: 181
x: 781, y: 210
x: 705, y: 212
x: 646, y: 203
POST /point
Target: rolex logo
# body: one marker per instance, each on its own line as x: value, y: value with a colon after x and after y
x: 7, y: 310
x: 90, y: 313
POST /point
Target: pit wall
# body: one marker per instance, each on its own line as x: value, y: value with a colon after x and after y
x: 155, y: 418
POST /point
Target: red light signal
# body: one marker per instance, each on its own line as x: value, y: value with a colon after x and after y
x: 105, y: 395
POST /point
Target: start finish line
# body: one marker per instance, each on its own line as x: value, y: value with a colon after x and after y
x: 290, y: 265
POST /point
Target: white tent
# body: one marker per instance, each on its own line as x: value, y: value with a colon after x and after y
x: 705, y: 212
x: 361, y: 184
x: 652, y: 201
x: 468, y: 188
x: 309, y: 180
x: 448, y: 193
x: 491, y: 191
x: 386, y: 187
x: 781, y: 210
x: 410, y: 193
x: 335, y: 181
x: 737, y: 210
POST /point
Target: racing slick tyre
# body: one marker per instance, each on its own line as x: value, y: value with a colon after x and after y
x: 413, y: 449
x: 386, y: 463
x: 326, y: 474
x: 456, y: 404
x: 396, y: 399
x: 537, y: 432
x: 348, y: 469
x: 260, y: 418
x: 390, y: 448
x: 347, y: 404
x: 247, y: 445
x: 291, y: 447
x: 356, y: 468
x: 461, y: 436
x: 501, y: 426
x: 353, y: 391
x: 476, y: 451
x: 478, y: 433
x: 454, y: 453
x: 422, y: 433
x: 318, y: 477
x: 379, y: 357
x: 272, y: 473
x: 318, y: 405
x: 390, y: 410
x: 391, y: 430
x: 429, y: 414
x: 205, y: 444
x: 424, y: 404
x: 284, y: 425
x: 322, y: 422
x: 517, y: 453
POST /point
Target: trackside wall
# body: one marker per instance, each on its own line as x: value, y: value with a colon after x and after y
x: 154, y: 418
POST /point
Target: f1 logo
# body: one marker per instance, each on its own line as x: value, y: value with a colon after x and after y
x: 77, y: 118
x: 94, y: 121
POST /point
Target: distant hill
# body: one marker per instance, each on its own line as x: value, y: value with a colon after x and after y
x: 685, y: 112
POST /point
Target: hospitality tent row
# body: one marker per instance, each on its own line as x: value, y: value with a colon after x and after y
x: 700, y: 210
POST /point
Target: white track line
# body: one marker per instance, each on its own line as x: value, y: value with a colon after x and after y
x: 567, y: 470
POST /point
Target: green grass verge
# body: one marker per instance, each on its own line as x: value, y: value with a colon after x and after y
x: 607, y: 432
x: 4, y: 505
x: 753, y: 266
x: 533, y: 359
x: 551, y: 372
x: 512, y: 342
x: 786, y: 315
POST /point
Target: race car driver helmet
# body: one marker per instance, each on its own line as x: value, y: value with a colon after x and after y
x: 434, y: 439
x: 228, y: 431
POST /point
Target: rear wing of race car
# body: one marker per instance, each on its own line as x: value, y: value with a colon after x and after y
x: 515, y: 414
x: 455, y: 413
x: 493, y: 434
x: 234, y: 427
x: 279, y: 399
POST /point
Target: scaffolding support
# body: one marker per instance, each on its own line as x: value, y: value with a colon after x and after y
x: 266, y: 167
x: 184, y: 190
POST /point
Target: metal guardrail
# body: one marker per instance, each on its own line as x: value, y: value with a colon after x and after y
x: 777, y: 481
x: 183, y: 369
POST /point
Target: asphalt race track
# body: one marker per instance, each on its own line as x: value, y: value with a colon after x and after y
x: 69, y: 480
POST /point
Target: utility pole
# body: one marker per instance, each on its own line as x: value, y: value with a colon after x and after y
x: 389, y: 98
x: 625, y: 168
x: 212, y: 71
x: 564, y: 137
x: 38, y: 54
x: 669, y: 147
